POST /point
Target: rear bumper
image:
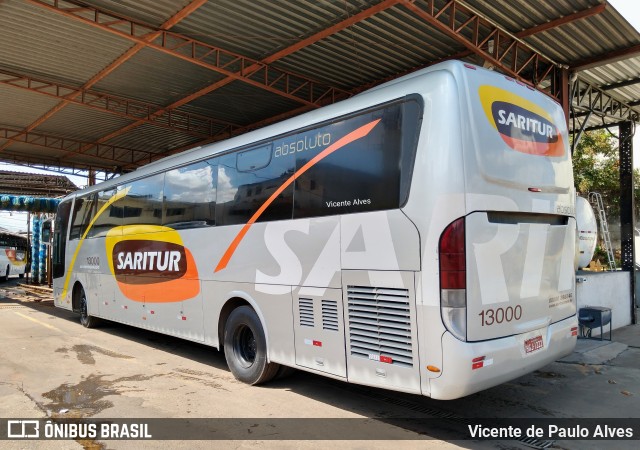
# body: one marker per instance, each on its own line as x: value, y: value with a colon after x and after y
x: 505, y: 359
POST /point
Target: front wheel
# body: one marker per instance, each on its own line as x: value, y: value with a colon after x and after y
x: 245, y: 347
x: 86, y: 320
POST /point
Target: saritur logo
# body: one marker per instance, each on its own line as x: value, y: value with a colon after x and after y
x: 164, y: 260
x: 523, y: 125
x: 151, y: 264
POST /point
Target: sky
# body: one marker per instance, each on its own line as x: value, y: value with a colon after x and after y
x: 15, y: 221
x: 630, y: 10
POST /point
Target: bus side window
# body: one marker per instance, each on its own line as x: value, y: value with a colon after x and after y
x: 245, y: 183
x: 190, y: 195
x: 108, y: 218
x: 60, y: 228
x: 364, y: 175
x: 143, y: 203
x: 83, y: 211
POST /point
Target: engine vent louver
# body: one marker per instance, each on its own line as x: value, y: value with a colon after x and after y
x: 330, y: 315
x: 306, y: 312
x: 380, y: 324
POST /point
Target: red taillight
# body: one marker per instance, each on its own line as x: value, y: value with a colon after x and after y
x: 452, y: 256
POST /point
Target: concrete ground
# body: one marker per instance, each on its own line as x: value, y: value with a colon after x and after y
x: 50, y: 366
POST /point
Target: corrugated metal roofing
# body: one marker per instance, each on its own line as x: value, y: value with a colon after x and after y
x: 39, y: 41
x: 390, y: 42
x: 19, y: 108
x: 82, y: 123
x: 167, y: 79
x: 386, y: 40
x: 153, y: 139
x: 241, y: 103
x: 151, y: 12
x: 257, y: 29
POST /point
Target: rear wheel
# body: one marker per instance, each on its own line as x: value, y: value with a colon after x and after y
x: 245, y: 347
x: 86, y: 320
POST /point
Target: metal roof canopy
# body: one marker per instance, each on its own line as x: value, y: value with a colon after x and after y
x: 111, y: 86
x: 36, y: 185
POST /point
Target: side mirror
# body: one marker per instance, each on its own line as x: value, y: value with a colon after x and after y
x: 46, y: 232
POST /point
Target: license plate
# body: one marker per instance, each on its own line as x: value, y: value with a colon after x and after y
x: 533, y: 344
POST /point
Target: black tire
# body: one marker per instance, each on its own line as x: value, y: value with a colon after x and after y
x: 86, y: 320
x: 245, y: 347
x: 20, y: 275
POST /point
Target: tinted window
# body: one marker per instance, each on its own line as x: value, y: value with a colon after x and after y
x: 362, y: 175
x: 61, y: 225
x: 253, y: 159
x: 190, y: 195
x: 83, y: 211
x: 241, y: 193
x: 143, y: 203
x: 108, y: 217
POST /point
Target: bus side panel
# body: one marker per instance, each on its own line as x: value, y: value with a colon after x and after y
x: 274, y: 310
x: 150, y: 300
x: 279, y: 253
x: 319, y: 330
x: 382, y: 346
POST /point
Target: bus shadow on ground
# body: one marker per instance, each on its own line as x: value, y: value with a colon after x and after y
x: 180, y: 347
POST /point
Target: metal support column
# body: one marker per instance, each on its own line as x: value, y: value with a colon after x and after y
x: 627, y: 219
x: 565, y: 93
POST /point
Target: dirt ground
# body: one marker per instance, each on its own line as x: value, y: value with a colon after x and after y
x: 53, y: 367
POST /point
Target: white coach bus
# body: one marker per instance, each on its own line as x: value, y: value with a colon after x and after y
x: 14, y: 251
x: 418, y: 237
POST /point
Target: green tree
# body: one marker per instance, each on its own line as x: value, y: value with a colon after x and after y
x: 596, y: 168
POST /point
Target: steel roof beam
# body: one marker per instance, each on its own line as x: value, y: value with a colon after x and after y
x: 253, y: 126
x: 589, y: 98
x: 292, y: 86
x: 621, y: 84
x: 606, y: 126
x: 107, y: 153
x: 53, y: 164
x: 222, y: 134
x: 491, y: 43
x: 175, y: 19
x: 606, y: 58
x: 521, y: 34
x: 593, y: 11
x: 193, y: 124
x: 386, y: 4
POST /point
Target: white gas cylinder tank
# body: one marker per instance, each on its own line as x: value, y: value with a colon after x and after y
x: 587, y: 231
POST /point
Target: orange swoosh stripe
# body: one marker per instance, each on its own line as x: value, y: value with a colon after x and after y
x: 353, y: 136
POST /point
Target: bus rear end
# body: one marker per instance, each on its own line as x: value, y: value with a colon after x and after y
x: 506, y: 265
